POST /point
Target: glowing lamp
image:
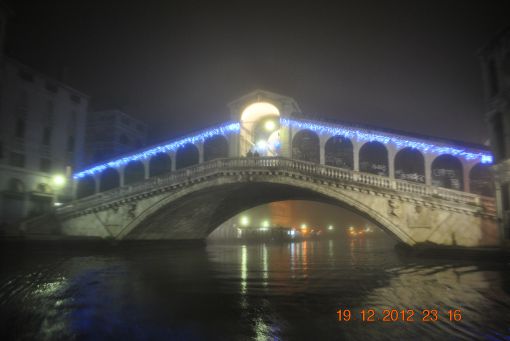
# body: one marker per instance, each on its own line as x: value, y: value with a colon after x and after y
x: 245, y: 221
x: 262, y: 145
x: 59, y: 180
x: 270, y: 125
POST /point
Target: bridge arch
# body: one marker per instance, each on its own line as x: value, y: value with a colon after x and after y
x: 186, y: 155
x: 160, y: 163
x: 215, y: 147
x: 109, y: 179
x: 306, y: 146
x: 339, y: 152
x: 134, y: 172
x: 85, y: 187
x: 447, y: 172
x: 197, y: 212
x: 410, y: 165
x: 373, y: 158
x: 481, y: 180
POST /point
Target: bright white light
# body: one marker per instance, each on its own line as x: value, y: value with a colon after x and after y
x: 330, y: 227
x: 258, y: 110
x: 57, y: 204
x: 262, y: 145
x: 265, y: 223
x: 245, y: 220
x: 263, y: 229
x: 59, y: 180
x: 303, y: 226
x: 351, y: 228
x: 270, y: 125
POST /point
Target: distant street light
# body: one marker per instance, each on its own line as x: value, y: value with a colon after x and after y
x: 330, y: 227
x: 59, y: 181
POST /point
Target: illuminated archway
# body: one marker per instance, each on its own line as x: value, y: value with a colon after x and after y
x: 260, y: 127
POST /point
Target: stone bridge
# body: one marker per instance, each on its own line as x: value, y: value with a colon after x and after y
x: 191, y: 202
x: 420, y: 189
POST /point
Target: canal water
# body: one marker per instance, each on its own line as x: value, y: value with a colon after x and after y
x: 265, y: 291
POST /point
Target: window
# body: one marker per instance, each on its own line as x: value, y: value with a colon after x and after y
x: 16, y: 185
x: 20, y: 128
x: 45, y: 165
x: 46, y: 136
x: 497, y: 122
x: 17, y: 159
x: 493, y: 78
x: 70, y: 144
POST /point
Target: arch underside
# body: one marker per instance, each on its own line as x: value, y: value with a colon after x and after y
x: 196, y: 214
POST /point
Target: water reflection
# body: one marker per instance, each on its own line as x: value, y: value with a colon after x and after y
x: 240, y: 292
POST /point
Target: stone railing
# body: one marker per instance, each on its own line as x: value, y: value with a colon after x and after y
x: 255, y: 164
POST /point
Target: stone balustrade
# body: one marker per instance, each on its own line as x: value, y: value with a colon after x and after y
x: 315, y: 171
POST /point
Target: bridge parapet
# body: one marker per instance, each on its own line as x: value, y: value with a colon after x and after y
x: 247, y: 166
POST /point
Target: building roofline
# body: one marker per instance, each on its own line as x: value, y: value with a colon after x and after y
x: 42, y: 75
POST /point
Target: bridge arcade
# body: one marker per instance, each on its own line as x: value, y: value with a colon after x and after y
x: 271, y: 125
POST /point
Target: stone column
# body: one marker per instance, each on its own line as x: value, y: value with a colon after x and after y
x: 173, y: 157
x: 200, y: 147
x: 74, y: 187
x: 356, y: 146
x: 322, y: 149
x: 121, y: 176
x: 145, y: 169
x: 97, y: 182
x: 392, y: 152
x: 428, y: 168
x: 466, y: 169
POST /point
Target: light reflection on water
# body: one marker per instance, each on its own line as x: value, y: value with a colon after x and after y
x: 287, y: 291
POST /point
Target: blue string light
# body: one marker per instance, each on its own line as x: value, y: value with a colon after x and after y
x: 399, y: 142
x: 224, y: 129
x: 333, y: 130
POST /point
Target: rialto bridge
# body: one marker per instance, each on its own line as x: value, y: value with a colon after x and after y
x: 419, y: 189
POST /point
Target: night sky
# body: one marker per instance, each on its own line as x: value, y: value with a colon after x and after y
x: 408, y: 65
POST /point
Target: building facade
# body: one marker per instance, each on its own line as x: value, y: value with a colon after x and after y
x: 495, y: 59
x: 42, y: 133
x: 111, y: 133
